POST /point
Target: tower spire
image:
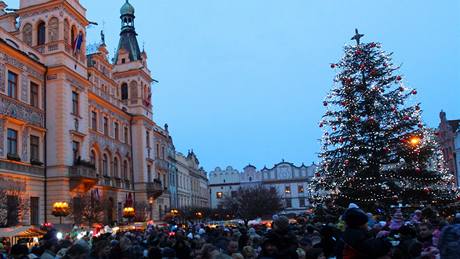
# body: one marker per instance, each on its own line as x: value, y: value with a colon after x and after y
x: 128, y: 36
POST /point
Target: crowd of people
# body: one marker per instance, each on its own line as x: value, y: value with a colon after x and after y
x: 353, y: 235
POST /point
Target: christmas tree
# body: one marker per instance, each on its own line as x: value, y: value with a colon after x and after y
x: 375, y: 149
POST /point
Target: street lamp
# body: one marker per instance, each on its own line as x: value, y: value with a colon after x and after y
x: 60, y: 209
x: 175, y: 212
x: 151, y: 207
x: 129, y: 213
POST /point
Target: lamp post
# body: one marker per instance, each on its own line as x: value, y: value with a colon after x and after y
x: 151, y: 207
x: 60, y: 209
x: 199, y: 215
x: 129, y: 213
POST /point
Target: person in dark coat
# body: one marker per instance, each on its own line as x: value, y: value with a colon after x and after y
x: 285, y: 241
x: 357, y: 242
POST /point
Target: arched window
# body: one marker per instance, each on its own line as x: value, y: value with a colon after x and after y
x: 133, y: 90
x: 66, y: 31
x: 92, y: 157
x: 124, y: 91
x: 53, y: 29
x: 115, y: 167
x: 27, y: 34
x: 41, y: 33
x: 125, y: 170
x: 105, y: 165
x: 73, y: 35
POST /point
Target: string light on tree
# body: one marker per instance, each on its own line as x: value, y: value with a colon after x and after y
x: 374, y: 139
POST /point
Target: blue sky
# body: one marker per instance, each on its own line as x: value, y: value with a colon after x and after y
x: 243, y: 81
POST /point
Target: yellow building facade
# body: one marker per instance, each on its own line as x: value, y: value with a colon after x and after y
x: 75, y: 124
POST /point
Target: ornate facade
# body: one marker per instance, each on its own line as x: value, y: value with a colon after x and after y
x: 290, y: 181
x: 192, y: 182
x: 72, y: 121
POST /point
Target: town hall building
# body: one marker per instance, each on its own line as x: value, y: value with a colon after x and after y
x: 75, y: 124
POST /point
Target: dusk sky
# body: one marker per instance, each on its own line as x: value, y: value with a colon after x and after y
x: 243, y: 81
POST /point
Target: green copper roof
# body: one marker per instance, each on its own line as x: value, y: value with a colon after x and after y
x: 128, y: 42
x: 127, y: 9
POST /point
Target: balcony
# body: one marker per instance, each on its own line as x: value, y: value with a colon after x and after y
x: 22, y: 167
x: 127, y: 185
x: 82, y: 174
x: 117, y: 182
x: 161, y: 165
x: 154, y: 189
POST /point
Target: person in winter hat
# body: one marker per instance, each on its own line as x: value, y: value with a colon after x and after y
x: 284, y: 240
x: 357, y: 241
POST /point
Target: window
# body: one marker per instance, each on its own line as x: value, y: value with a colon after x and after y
x: 105, y: 165
x: 12, y: 142
x: 287, y: 189
x: 75, y: 150
x: 117, y: 130
x: 74, y: 102
x: 301, y: 202
x: 94, y: 120
x: 12, y: 85
x: 288, y: 203
x: 12, y: 203
x: 219, y: 195
x: 106, y: 126
x: 34, y: 210
x: 92, y: 157
x: 115, y: 167
x: 126, y: 135
x: 41, y: 33
x: 34, y: 148
x: 125, y: 170
x: 149, y: 174
x: 73, y: 33
x: 34, y: 94
x: 124, y: 91
x: 300, y: 189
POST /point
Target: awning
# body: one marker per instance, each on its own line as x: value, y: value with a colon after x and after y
x: 22, y: 232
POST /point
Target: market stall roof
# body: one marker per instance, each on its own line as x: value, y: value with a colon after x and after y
x: 23, y: 231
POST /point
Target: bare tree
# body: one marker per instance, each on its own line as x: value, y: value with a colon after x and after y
x: 14, y: 204
x: 87, y: 209
x: 253, y: 202
x: 141, y: 209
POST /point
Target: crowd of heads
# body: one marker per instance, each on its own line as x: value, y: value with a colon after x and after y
x: 354, y: 234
